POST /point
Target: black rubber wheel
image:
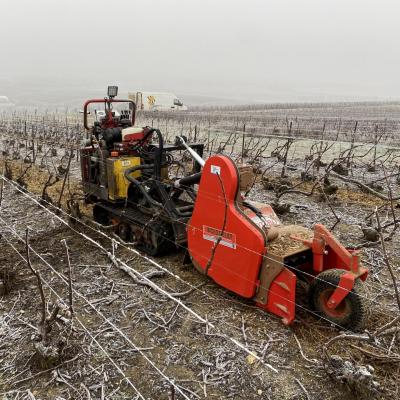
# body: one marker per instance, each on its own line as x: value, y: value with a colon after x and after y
x: 100, y: 215
x: 135, y: 196
x: 350, y: 313
x: 162, y: 240
x: 124, y: 232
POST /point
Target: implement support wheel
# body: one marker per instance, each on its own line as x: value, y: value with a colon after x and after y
x: 350, y: 312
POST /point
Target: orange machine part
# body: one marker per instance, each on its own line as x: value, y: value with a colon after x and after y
x: 282, y: 296
x: 235, y: 261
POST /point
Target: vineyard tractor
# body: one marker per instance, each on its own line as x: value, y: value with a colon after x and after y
x: 131, y: 176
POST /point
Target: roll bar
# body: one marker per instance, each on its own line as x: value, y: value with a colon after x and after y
x: 107, y: 101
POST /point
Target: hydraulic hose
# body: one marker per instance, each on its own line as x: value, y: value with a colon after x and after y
x: 253, y: 208
x: 189, y: 180
x: 138, y: 184
x: 180, y: 211
x: 158, y: 154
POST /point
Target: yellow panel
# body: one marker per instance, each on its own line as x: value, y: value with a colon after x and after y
x: 117, y: 183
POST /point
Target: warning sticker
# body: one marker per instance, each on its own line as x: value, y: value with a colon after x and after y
x: 228, y: 239
x: 215, y: 169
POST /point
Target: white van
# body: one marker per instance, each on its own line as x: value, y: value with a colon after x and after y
x: 156, y: 101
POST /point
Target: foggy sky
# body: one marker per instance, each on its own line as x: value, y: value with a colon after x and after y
x: 255, y: 50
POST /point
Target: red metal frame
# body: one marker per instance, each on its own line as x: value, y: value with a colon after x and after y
x: 344, y: 287
x: 107, y: 101
x: 329, y: 253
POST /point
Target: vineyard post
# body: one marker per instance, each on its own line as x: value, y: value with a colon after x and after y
x: 352, y: 145
x: 2, y: 186
x: 243, y: 137
x: 65, y: 177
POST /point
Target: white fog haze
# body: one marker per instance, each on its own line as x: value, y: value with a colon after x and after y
x: 60, y: 52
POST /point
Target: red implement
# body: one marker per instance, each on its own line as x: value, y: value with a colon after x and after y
x: 227, y: 240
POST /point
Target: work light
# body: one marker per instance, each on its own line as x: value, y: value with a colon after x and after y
x: 112, y: 91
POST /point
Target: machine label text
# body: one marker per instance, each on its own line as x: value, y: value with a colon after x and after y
x: 227, y: 239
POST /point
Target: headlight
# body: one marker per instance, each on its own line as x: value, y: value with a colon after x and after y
x: 112, y: 91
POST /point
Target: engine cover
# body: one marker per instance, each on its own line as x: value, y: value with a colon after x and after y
x: 132, y: 133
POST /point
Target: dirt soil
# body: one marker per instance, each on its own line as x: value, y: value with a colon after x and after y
x: 202, y: 361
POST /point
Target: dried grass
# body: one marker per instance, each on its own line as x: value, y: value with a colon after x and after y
x: 36, y: 178
x: 283, y: 244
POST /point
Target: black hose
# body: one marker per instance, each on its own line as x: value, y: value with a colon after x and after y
x: 158, y: 155
x: 138, y: 184
x: 190, y: 180
x: 180, y: 211
x: 139, y: 167
x: 255, y: 210
x: 143, y: 139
